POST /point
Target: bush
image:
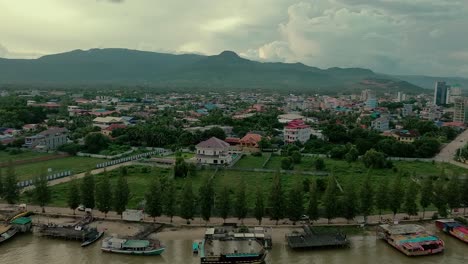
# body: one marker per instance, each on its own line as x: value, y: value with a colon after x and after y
x: 287, y: 164
x: 296, y: 157
x: 70, y: 148
x: 319, y: 164
x: 257, y: 154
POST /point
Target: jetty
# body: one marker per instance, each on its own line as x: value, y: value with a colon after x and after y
x: 78, y: 231
x: 310, y: 239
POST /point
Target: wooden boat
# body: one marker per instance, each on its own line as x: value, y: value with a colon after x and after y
x: 7, y: 232
x: 195, y: 247
x: 411, y: 240
x: 93, y: 239
x: 453, y: 228
x: 132, y: 247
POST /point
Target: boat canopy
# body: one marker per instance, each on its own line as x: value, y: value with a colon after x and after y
x: 419, y: 239
x: 136, y: 244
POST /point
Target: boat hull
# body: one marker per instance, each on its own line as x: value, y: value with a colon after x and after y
x: 416, y: 253
x: 89, y: 242
x: 154, y: 252
x: 8, y: 235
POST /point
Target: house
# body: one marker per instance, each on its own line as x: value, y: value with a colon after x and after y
x: 108, y: 130
x: 407, y: 136
x: 49, y: 139
x: 104, y: 122
x: 380, y: 124
x: 250, y: 140
x: 213, y: 151
x: 296, y: 130
x: 29, y: 127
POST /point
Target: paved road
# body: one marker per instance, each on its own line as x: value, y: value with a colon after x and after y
x: 81, y: 175
x: 448, y: 152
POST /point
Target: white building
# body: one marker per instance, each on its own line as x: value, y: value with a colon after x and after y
x: 213, y: 151
x: 380, y: 124
x: 296, y: 130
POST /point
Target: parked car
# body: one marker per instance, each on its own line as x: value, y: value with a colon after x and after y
x: 304, y: 218
x: 81, y: 207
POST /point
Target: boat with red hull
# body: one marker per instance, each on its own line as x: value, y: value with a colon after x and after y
x: 453, y: 228
x: 411, y: 240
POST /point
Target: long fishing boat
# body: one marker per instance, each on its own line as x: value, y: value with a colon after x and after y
x: 144, y: 247
x: 453, y: 228
x: 412, y: 240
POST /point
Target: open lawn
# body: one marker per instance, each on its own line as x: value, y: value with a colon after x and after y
x: 185, y: 155
x: 249, y: 161
x: 345, y: 173
x: 75, y: 164
x: 25, y: 155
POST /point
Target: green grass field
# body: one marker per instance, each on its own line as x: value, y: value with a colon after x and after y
x: 75, y: 164
x: 5, y: 156
x: 249, y: 161
x: 355, y: 172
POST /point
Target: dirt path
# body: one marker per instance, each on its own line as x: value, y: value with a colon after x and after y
x: 81, y: 175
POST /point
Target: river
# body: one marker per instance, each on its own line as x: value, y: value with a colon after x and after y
x: 28, y: 248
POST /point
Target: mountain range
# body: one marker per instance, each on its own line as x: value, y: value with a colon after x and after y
x: 224, y: 71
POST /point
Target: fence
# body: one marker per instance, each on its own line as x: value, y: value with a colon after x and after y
x: 130, y: 158
x: 51, y: 177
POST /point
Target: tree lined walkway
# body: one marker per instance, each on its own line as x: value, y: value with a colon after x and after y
x: 250, y: 221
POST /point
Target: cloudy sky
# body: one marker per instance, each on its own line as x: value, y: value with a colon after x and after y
x: 390, y: 36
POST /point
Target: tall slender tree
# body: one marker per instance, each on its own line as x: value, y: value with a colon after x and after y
x: 10, y: 186
x: 453, y: 193
x: 104, y: 195
x: 464, y: 195
x: 440, y: 197
x: 312, y: 208
x: 41, y: 190
x: 381, y: 197
x: 121, y: 194
x: 73, y: 199
x: 330, y: 199
x: 427, y: 190
x: 1, y: 183
x: 277, y: 198
x: 153, y: 198
x: 224, y: 203
x: 296, y: 201
x: 170, y: 196
x: 410, y: 206
x: 206, y: 195
x: 187, y: 205
x: 351, y: 205
x: 366, y: 197
x: 396, y: 195
x: 87, y: 191
x: 259, y: 205
x: 240, y: 207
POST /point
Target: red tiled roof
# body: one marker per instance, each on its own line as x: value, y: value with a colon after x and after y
x: 232, y: 140
x: 297, y: 124
x: 251, y: 138
x: 115, y: 126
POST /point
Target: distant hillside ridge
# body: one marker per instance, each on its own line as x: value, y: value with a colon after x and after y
x: 226, y: 70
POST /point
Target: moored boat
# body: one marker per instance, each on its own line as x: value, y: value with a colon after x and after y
x: 230, y: 250
x: 7, y: 232
x: 145, y: 247
x: 453, y: 228
x: 412, y: 240
x: 91, y: 239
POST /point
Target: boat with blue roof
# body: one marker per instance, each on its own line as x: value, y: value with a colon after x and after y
x: 453, y: 228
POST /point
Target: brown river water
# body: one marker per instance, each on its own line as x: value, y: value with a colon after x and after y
x: 30, y: 248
